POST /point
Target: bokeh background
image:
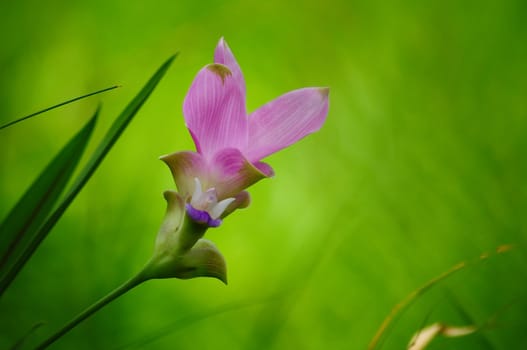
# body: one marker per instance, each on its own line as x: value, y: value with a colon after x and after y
x: 421, y: 165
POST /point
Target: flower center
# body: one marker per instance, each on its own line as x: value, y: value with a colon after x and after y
x: 204, y: 206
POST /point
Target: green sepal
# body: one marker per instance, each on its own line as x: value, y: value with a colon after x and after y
x: 202, y: 260
x: 180, y: 251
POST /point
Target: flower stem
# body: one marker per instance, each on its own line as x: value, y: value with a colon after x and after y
x: 125, y: 287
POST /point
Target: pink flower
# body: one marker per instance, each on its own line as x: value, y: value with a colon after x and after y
x: 230, y: 143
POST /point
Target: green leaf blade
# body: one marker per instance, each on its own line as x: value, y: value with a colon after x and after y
x: 119, y: 126
x: 33, y: 208
x: 104, y: 147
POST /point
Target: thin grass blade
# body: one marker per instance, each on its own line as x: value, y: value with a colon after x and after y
x: 56, y: 106
x: 404, y: 304
x: 104, y: 147
x: 21, y: 342
x: 484, y: 341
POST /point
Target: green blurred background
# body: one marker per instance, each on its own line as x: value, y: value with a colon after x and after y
x: 421, y: 165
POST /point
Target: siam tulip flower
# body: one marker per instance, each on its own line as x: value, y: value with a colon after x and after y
x: 230, y: 143
x: 211, y: 182
x: 230, y: 146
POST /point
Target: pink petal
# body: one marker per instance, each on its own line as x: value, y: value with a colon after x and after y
x: 286, y: 120
x: 185, y: 166
x: 223, y: 55
x: 232, y: 173
x: 264, y: 168
x: 214, y: 111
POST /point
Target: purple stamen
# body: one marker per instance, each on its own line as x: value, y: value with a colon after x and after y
x: 202, y: 216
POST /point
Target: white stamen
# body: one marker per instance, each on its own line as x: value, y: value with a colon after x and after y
x: 219, y: 208
x: 210, y: 197
x: 208, y: 200
x: 198, y: 192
